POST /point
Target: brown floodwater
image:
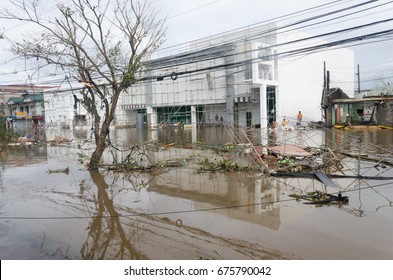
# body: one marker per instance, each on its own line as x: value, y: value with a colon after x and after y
x: 52, y: 207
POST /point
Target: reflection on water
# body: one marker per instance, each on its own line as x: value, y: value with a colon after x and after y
x: 106, y: 236
x: 163, y: 232
x: 19, y: 156
x: 181, y: 136
x: 371, y: 141
x: 183, y: 213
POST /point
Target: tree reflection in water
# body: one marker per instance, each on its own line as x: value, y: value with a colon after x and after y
x: 106, y: 236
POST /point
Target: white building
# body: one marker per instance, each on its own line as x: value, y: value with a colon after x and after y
x: 63, y: 108
x: 250, y: 78
x: 64, y: 113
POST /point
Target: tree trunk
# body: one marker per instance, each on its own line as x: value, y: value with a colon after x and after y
x: 104, y: 132
x: 100, y: 147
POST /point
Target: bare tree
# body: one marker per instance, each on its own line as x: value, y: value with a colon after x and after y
x: 103, y: 43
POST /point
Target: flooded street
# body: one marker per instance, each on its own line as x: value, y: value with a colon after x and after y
x: 52, y: 207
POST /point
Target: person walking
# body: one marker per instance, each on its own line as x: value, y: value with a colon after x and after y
x: 299, y: 118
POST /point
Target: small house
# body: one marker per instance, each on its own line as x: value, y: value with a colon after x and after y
x: 368, y: 110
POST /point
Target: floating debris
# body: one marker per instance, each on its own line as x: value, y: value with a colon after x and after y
x: 59, y: 139
x: 64, y: 170
x: 224, y: 164
x: 290, y: 150
x: 318, y: 197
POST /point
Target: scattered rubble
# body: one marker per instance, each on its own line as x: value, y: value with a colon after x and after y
x: 318, y: 197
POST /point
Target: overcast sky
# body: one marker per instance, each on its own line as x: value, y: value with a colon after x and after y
x: 194, y: 19
x: 188, y: 20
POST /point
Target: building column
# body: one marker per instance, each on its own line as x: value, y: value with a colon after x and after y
x: 263, y: 117
x: 193, y: 124
x: 193, y: 116
x: 151, y: 117
x: 278, y: 102
x: 257, y: 196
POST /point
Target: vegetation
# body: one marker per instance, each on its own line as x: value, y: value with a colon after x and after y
x: 6, y: 135
x: 223, y: 165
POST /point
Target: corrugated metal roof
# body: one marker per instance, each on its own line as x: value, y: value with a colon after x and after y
x: 362, y: 100
x: 27, y: 98
x: 15, y: 100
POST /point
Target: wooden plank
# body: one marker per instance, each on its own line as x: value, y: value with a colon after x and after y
x: 325, y: 179
x: 290, y: 150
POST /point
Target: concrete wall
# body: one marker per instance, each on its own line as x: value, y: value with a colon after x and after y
x: 385, y: 113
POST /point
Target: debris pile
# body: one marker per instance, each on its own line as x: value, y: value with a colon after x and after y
x: 318, y: 197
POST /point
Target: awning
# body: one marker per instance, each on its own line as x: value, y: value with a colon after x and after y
x: 38, y: 117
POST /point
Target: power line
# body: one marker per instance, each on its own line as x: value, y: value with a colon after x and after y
x: 195, y: 53
x: 199, y: 60
x: 285, y: 54
x: 206, y: 41
x: 194, y: 9
x: 209, y: 38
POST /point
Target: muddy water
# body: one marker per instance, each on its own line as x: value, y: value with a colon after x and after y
x: 51, y: 207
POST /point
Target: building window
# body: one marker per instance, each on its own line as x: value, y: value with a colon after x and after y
x: 264, y: 53
x: 248, y: 70
x: 264, y: 72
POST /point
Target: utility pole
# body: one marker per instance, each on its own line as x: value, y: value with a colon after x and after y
x: 324, y: 79
x: 328, y: 81
x: 325, y: 100
x: 358, y: 74
x: 324, y: 96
